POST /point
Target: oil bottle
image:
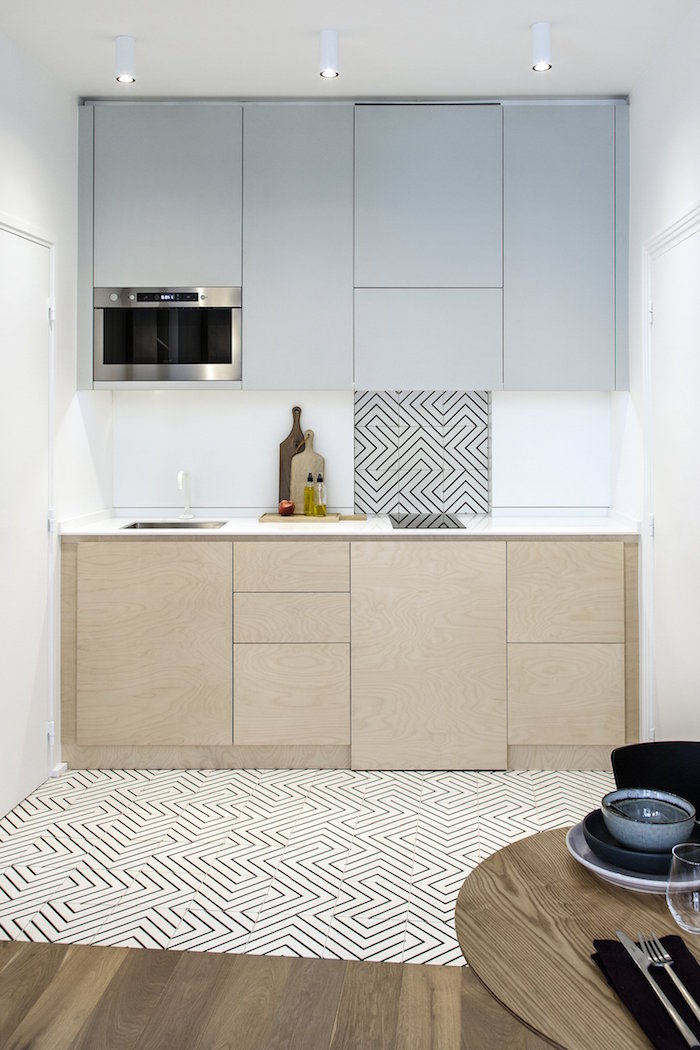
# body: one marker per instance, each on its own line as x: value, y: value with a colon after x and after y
x: 320, y: 497
x: 309, y: 495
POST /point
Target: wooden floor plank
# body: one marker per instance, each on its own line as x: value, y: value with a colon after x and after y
x: 77, y: 997
x: 241, y: 1018
x: 128, y: 1003
x: 305, y: 1015
x: 57, y: 1014
x: 25, y: 972
x: 369, y: 1007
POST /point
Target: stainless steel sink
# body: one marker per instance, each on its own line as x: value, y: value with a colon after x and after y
x: 175, y: 525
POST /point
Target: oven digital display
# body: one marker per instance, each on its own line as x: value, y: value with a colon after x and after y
x: 167, y: 297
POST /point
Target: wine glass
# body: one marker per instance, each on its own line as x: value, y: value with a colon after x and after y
x: 683, y: 889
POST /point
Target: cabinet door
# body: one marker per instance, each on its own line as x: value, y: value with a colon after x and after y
x: 566, y: 592
x: 428, y: 339
x: 428, y: 200
x: 292, y: 694
x: 154, y: 658
x: 566, y: 694
x: 297, y: 254
x: 559, y: 247
x: 428, y: 655
x: 167, y: 195
x: 566, y: 635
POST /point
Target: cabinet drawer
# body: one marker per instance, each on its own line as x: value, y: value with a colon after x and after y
x: 284, y: 566
x: 566, y: 694
x: 284, y: 617
x: 566, y: 592
x: 291, y: 694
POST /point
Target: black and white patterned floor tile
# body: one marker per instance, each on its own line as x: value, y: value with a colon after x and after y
x: 317, y: 863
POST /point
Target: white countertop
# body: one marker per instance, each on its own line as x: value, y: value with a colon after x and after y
x: 479, y: 525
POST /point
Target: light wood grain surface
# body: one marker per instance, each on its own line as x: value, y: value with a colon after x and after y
x: 275, y: 617
x: 566, y: 694
x: 80, y: 997
x: 428, y: 656
x: 291, y: 694
x: 631, y: 642
x: 69, y: 587
x: 154, y: 643
x: 281, y: 565
x: 566, y: 592
x: 526, y: 918
x: 559, y: 756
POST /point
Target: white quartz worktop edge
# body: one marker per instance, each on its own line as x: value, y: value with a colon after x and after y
x: 483, y: 525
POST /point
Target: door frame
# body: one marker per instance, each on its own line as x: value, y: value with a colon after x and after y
x: 686, y: 226
x: 20, y: 228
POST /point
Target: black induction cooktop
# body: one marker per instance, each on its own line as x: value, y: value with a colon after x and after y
x: 426, y: 521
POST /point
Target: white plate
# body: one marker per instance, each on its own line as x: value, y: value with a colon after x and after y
x: 629, y: 880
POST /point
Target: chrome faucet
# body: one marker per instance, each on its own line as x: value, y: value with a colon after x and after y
x: 183, y: 484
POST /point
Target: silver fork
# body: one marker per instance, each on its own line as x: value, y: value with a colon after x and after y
x: 660, y: 957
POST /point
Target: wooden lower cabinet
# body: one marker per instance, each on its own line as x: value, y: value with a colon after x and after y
x: 291, y: 654
x: 153, y: 662
x: 566, y: 694
x: 567, y: 671
x: 428, y: 655
x: 292, y: 693
x: 445, y: 653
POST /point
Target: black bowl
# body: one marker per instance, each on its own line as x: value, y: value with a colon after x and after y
x: 602, y: 843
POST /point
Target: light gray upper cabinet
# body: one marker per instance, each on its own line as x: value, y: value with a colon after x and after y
x: 428, y: 201
x: 563, y: 253
x: 298, y: 247
x: 428, y: 338
x: 167, y: 195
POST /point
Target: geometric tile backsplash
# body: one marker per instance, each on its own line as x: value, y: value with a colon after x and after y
x: 421, y: 450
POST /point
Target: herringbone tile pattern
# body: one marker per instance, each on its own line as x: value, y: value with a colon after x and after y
x: 317, y: 863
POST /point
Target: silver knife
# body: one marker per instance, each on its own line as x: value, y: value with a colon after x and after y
x: 644, y: 962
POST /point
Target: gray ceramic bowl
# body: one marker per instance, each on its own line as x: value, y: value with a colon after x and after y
x: 646, y: 819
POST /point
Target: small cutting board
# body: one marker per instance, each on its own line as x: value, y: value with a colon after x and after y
x: 304, y: 462
x: 288, y: 447
x: 299, y: 519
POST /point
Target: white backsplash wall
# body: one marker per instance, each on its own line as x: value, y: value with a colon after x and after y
x: 550, y: 453
x: 228, y: 441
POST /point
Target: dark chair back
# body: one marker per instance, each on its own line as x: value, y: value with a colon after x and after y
x: 668, y: 765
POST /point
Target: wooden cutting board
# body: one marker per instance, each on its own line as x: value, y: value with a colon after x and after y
x: 304, y: 463
x: 288, y: 447
x: 300, y: 519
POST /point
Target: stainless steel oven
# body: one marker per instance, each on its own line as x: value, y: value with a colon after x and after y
x: 169, y: 334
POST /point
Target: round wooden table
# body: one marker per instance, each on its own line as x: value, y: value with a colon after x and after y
x: 526, y: 918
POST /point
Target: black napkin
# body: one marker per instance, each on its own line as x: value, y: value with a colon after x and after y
x: 632, y: 987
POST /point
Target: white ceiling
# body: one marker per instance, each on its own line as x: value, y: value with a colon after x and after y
x: 404, y: 48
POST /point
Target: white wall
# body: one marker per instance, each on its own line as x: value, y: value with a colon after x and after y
x: 228, y: 441
x: 550, y: 453
x: 38, y: 186
x: 665, y: 185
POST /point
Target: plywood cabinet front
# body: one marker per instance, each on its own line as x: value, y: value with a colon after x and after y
x: 291, y: 643
x: 566, y: 644
x: 428, y: 655
x: 154, y: 643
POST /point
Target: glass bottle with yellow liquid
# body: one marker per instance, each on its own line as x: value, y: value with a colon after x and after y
x: 320, y: 497
x: 309, y: 495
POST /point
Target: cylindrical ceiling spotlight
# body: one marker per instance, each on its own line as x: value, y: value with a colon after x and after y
x: 541, y: 46
x: 126, y: 62
x: 329, y: 53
